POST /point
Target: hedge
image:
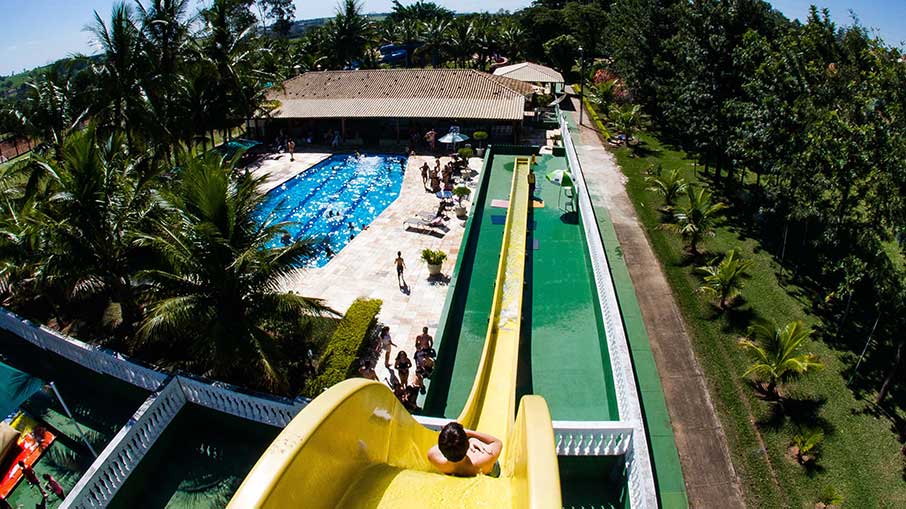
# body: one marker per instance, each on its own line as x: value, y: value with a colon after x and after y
x: 348, y: 343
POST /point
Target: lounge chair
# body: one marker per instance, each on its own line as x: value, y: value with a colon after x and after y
x: 434, y: 226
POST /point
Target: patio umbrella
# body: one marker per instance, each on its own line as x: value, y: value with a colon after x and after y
x: 561, y: 178
x: 453, y: 138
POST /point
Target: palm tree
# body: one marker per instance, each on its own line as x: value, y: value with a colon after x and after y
x: 724, y: 279
x: 696, y: 220
x: 120, y: 99
x: 349, y: 34
x: 775, y: 353
x: 434, y: 34
x: 165, y: 31
x: 218, y: 290
x: 626, y: 119
x: 48, y: 113
x: 462, y: 41
x: 512, y: 40
x: 240, y: 88
x: 91, y: 207
x: 669, y: 186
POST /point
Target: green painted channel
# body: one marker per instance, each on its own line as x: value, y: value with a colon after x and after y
x: 570, y: 362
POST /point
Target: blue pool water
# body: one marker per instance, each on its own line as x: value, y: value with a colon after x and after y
x: 322, y: 201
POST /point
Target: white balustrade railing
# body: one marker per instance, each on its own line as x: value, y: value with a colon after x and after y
x: 112, y: 467
x: 218, y: 396
x: 274, y: 411
x: 574, y: 438
x: 640, y: 474
x: 89, y: 356
x: 592, y: 438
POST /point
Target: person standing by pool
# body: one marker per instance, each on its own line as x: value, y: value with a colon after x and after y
x: 403, y: 365
x: 425, y: 170
x: 336, y: 139
x: 386, y: 344
x: 291, y: 148
x: 531, y: 182
x: 431, y: 138
x: 400, y: 267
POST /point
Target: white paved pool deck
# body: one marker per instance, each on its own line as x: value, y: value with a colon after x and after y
x: 365, y: 267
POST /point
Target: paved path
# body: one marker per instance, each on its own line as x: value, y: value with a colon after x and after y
x: 365, y: 267
x: 711, y: 480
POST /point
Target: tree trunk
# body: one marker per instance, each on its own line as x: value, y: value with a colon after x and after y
x: 888, y: 380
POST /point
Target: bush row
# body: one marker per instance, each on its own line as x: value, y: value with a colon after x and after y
x: 348, y: 343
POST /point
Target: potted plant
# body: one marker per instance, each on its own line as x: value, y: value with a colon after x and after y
x: 480, y: 136
x: 465, y: 152
x: 461, y: 193
x: 434, y: 259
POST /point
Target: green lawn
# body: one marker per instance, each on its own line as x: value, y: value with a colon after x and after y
x: 860, y: 457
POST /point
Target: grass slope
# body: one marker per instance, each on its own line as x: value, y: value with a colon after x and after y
x: 860, y: 456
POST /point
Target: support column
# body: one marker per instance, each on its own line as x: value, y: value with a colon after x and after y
x: 343, y: 128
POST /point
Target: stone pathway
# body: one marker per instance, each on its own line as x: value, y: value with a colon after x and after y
x: 365, y: 267
x: 710, y: 478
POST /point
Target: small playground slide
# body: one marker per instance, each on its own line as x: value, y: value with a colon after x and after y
x: 356, y: 446
x: 33, y: 441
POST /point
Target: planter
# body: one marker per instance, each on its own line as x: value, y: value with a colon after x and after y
x: 434, y: 270
x: 479, y: 152
x: 460, y: 212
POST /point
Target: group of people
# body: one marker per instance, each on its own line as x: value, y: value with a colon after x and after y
x: 405, y: 387
x: 50, y: 485
x: 441, y: 178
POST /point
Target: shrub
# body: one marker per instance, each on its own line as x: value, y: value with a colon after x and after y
x: 480, y: 136
x: 433, y: 257
x: 461, y: 192
x: 346, y: 345
x: 465, y: 152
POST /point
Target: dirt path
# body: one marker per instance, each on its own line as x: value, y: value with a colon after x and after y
x: 711, y: 480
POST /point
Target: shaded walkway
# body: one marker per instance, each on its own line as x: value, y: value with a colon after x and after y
x: 710, y: 478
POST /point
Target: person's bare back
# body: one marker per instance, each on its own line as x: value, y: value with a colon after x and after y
x: 463, y: 452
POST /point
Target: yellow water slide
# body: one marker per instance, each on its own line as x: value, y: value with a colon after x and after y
x: 355, y: 446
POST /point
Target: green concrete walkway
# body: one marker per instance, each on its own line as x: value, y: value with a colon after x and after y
x: 570, y: 364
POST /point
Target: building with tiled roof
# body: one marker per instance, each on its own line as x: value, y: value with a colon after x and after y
x: 401, y: 93
x: 529, y: 72
x: 377, y: 99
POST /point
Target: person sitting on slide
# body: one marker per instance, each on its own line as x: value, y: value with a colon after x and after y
x: 465, y: 453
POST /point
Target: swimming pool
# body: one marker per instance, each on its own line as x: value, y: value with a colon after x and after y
x: 323, y: 201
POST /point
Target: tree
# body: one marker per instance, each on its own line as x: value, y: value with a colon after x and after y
x: 120, y: 98
x: 725, y: 279
x: 165, y: 42
x: 349, y: 34
x: 562, y: 52
x: 419, y: 11
x: 695, y: 221
x: 281, y: 12
x: 775, y: 353
x: 669, y: 186
x: 217, y: 293
x: 434, y: 34
x: 626, y: 119
x: 92, y: 205
x: 47, y: 113
x: 462, y: 40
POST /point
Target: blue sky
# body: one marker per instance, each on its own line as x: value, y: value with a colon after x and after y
x: 36, y: 32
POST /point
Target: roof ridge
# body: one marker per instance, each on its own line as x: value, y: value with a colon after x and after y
x: 492, y: 78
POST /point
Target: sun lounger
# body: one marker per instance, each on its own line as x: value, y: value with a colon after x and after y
x: 433, y: 226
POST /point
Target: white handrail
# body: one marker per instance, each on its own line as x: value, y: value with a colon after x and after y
x: 638, y: 462
x: 112, y: 467
x: 214, y: 395
x: 90, y: 356
x: 593, y: 438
